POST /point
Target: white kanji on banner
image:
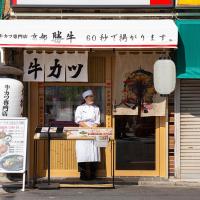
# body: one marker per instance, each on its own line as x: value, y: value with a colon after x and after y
x: 77, y: 67
x: 33, y: 66
x: 55, y: 67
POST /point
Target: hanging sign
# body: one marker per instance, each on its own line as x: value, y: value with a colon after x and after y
x: 13, y: 145
x: 11, y: 97
x: 65, y: 3
x: 33, y: 67
x: 55, y: 67
x: 89, y: 33
x: 76, y: 69
x: 188, y: 3
x: 134, y: 92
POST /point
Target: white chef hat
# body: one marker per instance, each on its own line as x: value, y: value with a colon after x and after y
x: 87, y: 93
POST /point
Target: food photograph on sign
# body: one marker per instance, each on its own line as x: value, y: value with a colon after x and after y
x: 8, y: 160
x: 13, y: 140
x: 81, y: 133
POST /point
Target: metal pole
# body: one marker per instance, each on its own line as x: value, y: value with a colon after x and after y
x: 24, y: 179
x: 113, y: 149
x: 49, y: 161
x: 35, y: 163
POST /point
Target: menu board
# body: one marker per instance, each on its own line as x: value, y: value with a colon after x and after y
x: 71, y: 133
x: 84, y: 133
x: 13, y: 144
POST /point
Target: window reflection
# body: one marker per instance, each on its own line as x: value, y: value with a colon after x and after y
x: 61, y: 103
x: 135, y: 138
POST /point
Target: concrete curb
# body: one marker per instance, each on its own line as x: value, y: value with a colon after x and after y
x: 169, y: 183
x: 2, y: 191
x: 155, y: 183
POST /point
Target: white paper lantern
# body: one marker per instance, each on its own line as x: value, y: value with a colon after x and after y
x: 11, y: 97
x: 164, y: 76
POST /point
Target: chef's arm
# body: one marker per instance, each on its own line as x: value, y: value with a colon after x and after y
x: 83, y: 124
x: 95, y: 125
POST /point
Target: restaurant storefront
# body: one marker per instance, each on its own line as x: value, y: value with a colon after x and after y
x: 110, y: 58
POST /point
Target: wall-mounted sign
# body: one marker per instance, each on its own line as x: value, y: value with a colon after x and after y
x: 188, y: 3
x: 65, y: 3
x: 89, y: 33
x: 51, y: 67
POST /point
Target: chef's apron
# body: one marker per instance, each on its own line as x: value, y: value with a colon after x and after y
x: 86, y: 150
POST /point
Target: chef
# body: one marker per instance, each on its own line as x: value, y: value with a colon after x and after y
x: 88, y: 155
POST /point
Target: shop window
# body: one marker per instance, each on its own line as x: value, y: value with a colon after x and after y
x: 62, y: 101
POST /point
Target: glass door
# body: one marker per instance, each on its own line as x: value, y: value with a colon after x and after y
x: 135, y: 143
x: 140, y: 146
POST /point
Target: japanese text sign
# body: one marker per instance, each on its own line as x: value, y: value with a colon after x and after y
x: 13, y: 145
x: 89, y: 33
x: 59, y: 67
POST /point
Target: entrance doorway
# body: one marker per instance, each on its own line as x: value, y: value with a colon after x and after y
x: 140, y: 146
x: 135, y: 143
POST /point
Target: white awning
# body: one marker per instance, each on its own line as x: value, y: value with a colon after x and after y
x: 89, y: 33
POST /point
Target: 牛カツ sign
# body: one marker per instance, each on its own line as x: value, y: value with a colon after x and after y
x: 146, y: 3
x: 89, y: 33
x: 59, y: 67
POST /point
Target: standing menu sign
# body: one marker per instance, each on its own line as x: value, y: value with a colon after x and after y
x: 13, y: 145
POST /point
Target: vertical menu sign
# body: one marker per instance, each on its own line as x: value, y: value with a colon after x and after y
x: 13, y: 145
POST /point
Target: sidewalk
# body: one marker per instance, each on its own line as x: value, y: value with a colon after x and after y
x: 158, y: 181
x: 9, y: 185
x: 121, y: 192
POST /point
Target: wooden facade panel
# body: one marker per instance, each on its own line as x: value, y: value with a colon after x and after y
x: 63, y: 157
x: 96, y: 69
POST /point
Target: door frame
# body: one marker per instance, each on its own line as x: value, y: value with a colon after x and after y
x: 161, y: 153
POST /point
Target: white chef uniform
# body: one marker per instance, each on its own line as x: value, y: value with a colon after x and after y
x: 86, y: 150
